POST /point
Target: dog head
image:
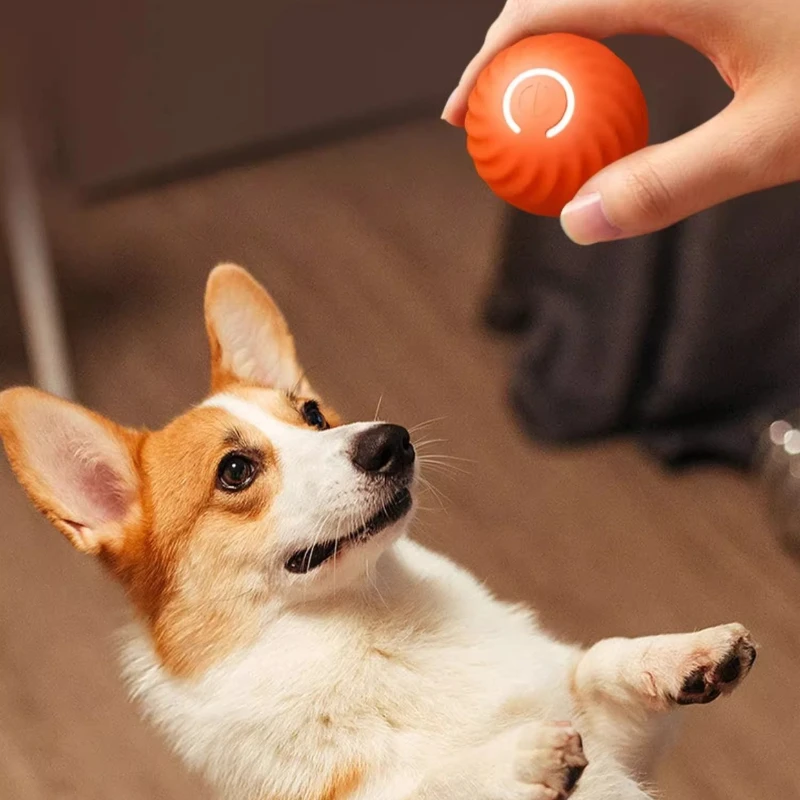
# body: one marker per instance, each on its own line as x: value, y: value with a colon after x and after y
x: 256, y: 499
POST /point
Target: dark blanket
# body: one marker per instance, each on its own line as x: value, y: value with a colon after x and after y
x: 689, y: 338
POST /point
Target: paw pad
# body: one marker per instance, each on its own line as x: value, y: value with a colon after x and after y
x: 707, y: 683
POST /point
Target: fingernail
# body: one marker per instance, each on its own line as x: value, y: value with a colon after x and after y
x: 585, y: 222
x: 448, y: 104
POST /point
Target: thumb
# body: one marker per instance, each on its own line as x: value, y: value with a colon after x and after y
x: 660, y: 185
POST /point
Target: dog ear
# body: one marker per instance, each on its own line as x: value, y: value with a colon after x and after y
x: 78, y: 468
x: 249, y: 339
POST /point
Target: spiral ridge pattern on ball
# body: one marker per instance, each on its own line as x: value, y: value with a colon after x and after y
x: 539, y: 174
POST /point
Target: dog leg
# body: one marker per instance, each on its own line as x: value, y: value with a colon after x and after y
x: 622, y: 685
x: 536, y: 761
x: 657, y: 672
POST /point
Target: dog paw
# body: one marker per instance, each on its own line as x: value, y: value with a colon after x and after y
x: 719, y: 666
x: 549, y: 760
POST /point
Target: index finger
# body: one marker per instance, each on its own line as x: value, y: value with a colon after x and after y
x: 520, y: 18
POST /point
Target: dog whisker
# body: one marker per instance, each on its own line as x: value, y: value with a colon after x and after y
x: 378, y: 408
x: 428, y: 442
x: 294, y: 392
x: 373, y: 582
x: 314, y: 542
x: 447, y: 457
x: 429, y: 487
x: 443, y: 467
x: 419, y: 426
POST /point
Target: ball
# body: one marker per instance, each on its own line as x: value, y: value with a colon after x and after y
x: 548, y: 113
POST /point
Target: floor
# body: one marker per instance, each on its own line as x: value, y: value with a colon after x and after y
x: 379, y: 250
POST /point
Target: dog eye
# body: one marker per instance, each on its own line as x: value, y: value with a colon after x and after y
x: 313, y: 416
x: 235, y: 472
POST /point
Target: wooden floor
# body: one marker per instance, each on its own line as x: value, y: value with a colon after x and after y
x: 379, y: 250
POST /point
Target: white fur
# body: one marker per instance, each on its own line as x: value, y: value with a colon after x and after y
x: 410, y: 673
x: 386, y: 672
x: 456, y: 657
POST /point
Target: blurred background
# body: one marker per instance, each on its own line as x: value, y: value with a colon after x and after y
x: 616, y: 404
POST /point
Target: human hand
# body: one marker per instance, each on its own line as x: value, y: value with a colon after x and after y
x: 752, y: 144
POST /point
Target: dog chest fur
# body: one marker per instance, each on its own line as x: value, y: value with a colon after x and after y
x: 355, y: 686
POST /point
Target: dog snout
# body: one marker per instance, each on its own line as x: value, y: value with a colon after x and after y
x: 384, y: 449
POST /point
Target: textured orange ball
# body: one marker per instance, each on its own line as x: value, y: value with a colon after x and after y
x: 548, y: 113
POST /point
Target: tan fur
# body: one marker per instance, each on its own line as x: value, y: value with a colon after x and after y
x: 195, y: 598
x: 344, y: 783
x: 193, y: 581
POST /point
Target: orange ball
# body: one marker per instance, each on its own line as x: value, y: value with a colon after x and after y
x: 548, y: 113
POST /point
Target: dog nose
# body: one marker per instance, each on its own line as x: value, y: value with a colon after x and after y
x: 385, y: 449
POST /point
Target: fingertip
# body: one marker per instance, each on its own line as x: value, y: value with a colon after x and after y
x: 584, y: 220
x: 455, y: 110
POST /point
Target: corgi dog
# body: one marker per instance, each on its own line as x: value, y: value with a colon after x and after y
x: 289, y: 639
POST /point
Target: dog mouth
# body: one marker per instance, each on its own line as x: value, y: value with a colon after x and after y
x: 304, y: 561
